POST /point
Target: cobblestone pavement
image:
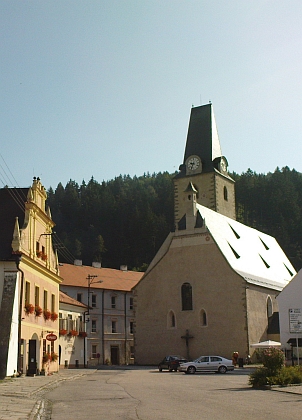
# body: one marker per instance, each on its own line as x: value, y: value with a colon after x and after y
x: 24, y: 397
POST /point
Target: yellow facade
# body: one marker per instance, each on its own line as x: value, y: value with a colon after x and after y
x: 38, y: 285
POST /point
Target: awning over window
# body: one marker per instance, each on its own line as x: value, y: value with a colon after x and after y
x: 293, y: 342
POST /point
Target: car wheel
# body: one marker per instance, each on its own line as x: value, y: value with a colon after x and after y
x: 191, y: 369
x: 222, y: 369
x: 160, y: 369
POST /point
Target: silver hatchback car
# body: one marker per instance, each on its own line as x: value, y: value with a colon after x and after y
x: 207, y: 364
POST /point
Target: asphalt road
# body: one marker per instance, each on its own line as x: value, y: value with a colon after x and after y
x: 147, y: 394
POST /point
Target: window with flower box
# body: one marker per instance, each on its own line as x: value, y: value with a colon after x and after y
x: 37, y: 295
x: 53, y: 303
x: 45, y: 299
x: 27, y: 292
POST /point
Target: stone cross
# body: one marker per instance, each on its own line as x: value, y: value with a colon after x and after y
x: 187, y: 337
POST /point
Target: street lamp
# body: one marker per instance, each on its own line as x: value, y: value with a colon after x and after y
x: 90, y: 280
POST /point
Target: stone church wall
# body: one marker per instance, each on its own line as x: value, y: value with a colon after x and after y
x: 216, y: 289
x: 210, y: 187
x: 257, y: 302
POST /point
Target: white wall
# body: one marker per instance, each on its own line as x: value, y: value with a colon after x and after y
x: 12, y: 358
x: 289, y: 298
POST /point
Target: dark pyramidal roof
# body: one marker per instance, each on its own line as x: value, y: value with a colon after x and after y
x: 202, y: 138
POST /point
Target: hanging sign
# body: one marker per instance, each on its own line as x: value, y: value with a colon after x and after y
x: 51, y: 337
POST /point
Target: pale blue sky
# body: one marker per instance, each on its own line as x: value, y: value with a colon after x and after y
x: 103, y: 88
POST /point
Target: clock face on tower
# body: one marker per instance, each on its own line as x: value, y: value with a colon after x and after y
x: 193, y: 163
x: 223, y: 165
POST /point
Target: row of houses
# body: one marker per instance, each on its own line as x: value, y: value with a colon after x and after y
x: 214, y: 286
x: 54, y: 314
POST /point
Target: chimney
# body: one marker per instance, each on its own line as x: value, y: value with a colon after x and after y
x: 77, y: 262
x: 96, y: 264
x: 123, y: 268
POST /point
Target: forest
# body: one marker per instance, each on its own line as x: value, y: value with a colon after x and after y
x: 125, y: 220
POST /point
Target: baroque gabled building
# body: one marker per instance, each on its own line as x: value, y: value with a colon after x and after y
x: 29, y: 282
x: 212, y: 286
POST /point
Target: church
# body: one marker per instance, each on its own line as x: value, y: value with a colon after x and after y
x: 212, y: 286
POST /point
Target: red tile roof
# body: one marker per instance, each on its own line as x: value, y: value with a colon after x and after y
x: 64, y: 298
x: 111, y: 279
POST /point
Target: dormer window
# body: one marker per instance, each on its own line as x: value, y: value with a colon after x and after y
x: 234, y: 252
x: 288, y: 270
x: 264, y: 244
x: 235, y: 233
x: 264, y: 262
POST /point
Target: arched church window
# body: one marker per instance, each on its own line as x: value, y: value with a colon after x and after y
x: 171, y: 320
x: 186, y: 297
x: 203, y: 318
x: 269, y: 307
x: 225, y: 193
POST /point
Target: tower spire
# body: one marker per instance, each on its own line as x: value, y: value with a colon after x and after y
x: 202, y: 137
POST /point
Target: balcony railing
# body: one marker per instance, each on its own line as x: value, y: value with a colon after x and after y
x: 71, y: 324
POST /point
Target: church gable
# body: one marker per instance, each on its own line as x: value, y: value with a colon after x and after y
x: 28, y: 225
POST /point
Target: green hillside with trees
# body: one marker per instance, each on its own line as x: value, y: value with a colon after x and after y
x: 125, y: 220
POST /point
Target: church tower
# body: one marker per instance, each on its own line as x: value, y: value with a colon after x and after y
x: 205, y: 168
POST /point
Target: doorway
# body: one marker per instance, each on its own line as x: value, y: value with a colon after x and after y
x: 115, y: 360
x: 32, y: 358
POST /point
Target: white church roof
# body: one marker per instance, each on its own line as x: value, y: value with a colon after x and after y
x: 254, y: 255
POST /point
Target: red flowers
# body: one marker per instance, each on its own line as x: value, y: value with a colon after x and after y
x: 38, y: 310
x: 54, y: 316
x: 29, y: 308
x: 46, y: 314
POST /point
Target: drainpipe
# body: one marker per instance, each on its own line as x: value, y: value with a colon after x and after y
x: 85, y: 338
x: 103, y: 335
x: 125, y: 327
x: 18, y: 261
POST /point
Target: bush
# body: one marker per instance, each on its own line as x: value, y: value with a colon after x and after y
x: 273, y: 371
x: 259, y: 377
x: 273, y: 360
x: 285, y: 376
x: 289, y: 375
